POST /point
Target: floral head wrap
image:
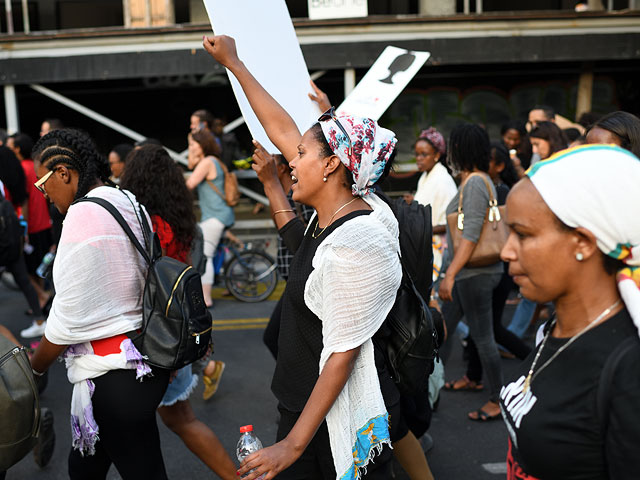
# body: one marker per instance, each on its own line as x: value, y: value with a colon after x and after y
x: 363, y: 146
x: 596, y: 187
x: 435, y: 138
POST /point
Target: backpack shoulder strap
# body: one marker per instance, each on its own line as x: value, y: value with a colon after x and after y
x: 120, y: 219
x: 603, y: 399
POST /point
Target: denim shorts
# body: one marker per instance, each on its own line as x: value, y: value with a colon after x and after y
x: 180, y: 388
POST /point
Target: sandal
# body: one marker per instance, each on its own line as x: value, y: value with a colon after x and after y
x: 482, y: 416
x: 464, y: 384
x: 211, y: 382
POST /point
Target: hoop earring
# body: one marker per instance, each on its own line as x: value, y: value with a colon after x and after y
x: 579, y: 256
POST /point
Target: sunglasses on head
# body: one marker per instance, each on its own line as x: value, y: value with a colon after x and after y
x: 331, y: 115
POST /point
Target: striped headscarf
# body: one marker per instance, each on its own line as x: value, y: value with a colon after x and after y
x: 597, y: 187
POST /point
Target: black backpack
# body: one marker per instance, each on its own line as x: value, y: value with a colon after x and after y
x: 410, y: 335
x: 10, y: 233
x: 176, y: 325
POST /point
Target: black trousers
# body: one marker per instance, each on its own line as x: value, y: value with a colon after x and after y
x: 316, y: 462
x: 125, y: 411
x: 19, y: 271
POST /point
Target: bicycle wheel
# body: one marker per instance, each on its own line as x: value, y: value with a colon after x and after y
x: 251, y: 276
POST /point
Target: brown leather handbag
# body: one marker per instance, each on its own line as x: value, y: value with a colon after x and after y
x: 494, y: 230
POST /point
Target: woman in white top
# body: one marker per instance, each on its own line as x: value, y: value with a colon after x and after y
x: 435, y: 187
x: 99, y: 278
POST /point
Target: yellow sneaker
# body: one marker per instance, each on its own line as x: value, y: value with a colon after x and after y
x: 211, y: 382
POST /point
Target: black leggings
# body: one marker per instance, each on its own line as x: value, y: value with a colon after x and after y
x: 19, y: 271
x: 125, y: 411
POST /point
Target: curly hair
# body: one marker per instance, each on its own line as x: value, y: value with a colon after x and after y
x: 158, y: 184
x: 76, y: 150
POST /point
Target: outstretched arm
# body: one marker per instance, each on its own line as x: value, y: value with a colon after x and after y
x: 280, y: 127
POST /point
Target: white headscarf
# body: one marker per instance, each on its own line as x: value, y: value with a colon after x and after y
x: 597, y: 187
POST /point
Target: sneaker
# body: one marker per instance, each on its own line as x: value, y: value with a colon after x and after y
x: 43, y: 451
x: 34, y: 330
x: 211, y: 382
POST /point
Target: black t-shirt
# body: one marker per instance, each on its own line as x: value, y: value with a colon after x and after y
x: 555, y: 430
x: 300, y: 338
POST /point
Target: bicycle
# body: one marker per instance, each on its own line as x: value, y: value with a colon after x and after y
x: 251, y: 274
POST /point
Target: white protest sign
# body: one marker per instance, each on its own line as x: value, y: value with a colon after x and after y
x: 268, y: 46
x: 385, y: 80
x: 323, y: 9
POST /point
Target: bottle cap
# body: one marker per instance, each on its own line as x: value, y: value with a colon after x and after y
x: 246, y: 428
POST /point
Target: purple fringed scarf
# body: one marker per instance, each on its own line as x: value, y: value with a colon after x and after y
x: 82, y: 366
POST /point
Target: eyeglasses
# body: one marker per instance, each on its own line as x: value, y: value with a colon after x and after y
x: 40, y: 183
x: 331, y: 115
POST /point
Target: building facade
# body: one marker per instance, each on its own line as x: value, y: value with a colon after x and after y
x: 122, y: 67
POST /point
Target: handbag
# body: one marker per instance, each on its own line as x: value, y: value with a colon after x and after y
x: 231, y: 192
x: 19, y: 405
x: 494, y: 231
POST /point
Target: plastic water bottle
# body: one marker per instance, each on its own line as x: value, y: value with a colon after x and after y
x: 44, y: 267
x: 248, y: 444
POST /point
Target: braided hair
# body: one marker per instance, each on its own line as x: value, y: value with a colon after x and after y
x: 76, y: 150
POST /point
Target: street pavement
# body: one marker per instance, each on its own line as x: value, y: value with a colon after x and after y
x: 463, y: 449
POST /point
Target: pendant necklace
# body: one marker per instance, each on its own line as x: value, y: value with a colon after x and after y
x: 531, y: 376
x: 316, y: 235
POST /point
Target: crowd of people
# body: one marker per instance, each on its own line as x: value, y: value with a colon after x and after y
x: 571, y: 197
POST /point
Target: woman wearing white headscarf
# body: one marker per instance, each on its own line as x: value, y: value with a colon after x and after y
x: 342, y: 284
x: 571, y: 409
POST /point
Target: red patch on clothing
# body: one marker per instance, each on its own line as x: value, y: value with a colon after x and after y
x: 514, y: 471
x: 172, y: 247
x: 107, y: 346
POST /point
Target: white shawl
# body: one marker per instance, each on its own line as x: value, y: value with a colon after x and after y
x: 352, y: 288
x: 98, y: 274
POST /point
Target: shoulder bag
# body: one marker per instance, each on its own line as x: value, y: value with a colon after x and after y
x: 494, y: 230
x: 19, y: 405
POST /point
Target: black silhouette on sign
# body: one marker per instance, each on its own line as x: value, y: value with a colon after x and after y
x: 401, y: 63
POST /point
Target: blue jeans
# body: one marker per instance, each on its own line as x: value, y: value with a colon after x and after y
x: 522, y: 317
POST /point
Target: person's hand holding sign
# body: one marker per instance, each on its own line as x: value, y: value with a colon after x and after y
x: 264, y: 165
x: 223, y: 49
x: 321, y: 98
